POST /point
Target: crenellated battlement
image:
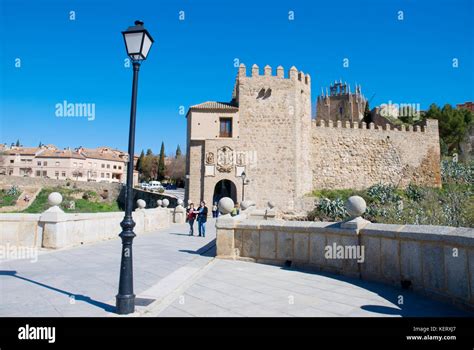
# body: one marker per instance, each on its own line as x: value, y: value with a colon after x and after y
x: 272, y: 119
x: 293, y: 73
x: 430, y: 126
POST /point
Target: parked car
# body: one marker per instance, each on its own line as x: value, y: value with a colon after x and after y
x: 144, y: 185
x: 154, y: 185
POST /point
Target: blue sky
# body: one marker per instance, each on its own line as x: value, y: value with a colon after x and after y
x: 192, y: 61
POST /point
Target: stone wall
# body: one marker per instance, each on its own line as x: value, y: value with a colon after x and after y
x: 434, y: 260
x: 467, y: 145
x: 59, y: 230
x: 287, y: 155
x: 352, y: 156
x: 113, y: 189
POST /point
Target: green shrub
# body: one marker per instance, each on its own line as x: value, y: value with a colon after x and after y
x: 414, y: 193
x: 451, y: 205
x: 9, y: 197
x: 13, y: 191
x: 383, y: 193
x: 87, y: 204
x: 332, y: 209
x: 457, y: 172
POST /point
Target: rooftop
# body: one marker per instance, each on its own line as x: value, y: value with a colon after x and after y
x: 51, y: 151
x: 214, y: 105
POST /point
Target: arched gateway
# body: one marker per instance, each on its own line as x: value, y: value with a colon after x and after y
x: 225, y: 188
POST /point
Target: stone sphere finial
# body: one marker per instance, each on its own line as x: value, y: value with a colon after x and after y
x: 356, y: 206
x: 166, y: 203
x: 180, y: 202
x: 159, y: 202
x: 225, y: 205
x: 246, y: 204
x: 55, y: 198
x: 141, y: 204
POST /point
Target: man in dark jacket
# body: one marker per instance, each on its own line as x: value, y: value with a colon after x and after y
x: 202, y: 218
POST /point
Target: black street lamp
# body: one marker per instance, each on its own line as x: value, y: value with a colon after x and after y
x: 244, y: 177
x: 138, y: 42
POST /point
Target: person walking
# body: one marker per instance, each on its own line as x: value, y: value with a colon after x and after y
x: 202, y: 218
x: 215, y: 210
x: 191, y: 216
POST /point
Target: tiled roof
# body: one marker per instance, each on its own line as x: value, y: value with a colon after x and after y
x: 104, y: 153
x: 100, y: 153
x: 65, y: 153
x: 24, y: 151
x: 213, y: 105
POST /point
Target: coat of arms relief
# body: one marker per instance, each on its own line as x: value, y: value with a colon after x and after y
x: 225, y: 159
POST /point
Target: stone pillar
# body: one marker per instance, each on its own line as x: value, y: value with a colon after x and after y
x: 52, y: 221
x: 271, y: 211
x: 141, y: 204
x: 179, y: 215
x: 356, y: 207
x: 225, y: 229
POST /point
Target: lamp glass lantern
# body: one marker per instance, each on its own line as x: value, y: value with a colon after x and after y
x: 137, y: 41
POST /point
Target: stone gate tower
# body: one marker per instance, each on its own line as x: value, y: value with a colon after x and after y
x: 265, y: 131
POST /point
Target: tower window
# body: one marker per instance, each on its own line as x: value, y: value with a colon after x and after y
x: 225, y: 129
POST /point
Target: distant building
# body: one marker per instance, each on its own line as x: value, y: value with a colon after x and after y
x: 80, y: 164
x: 341, y: 104
x: 467, y: 105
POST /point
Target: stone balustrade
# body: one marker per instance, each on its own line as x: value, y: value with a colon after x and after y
x: 56, y: 229
x: 434, y: 260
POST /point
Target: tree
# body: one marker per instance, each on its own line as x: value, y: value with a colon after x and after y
x: 17, y: 143
x: 140, y: 162
x: 148, y: 166
x: 161, y: 162
x: 367, y: 115
x: 453, y: 125
x: 408, y: 114
x: 40, y: 144
x: 154, y: 167
x: 178, y: 152
x: 176, y: 170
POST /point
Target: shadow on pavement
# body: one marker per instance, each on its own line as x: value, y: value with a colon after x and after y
x: 179, y: 234
x: 77, y: 297
x: 386, y: 310
x: 410, y: 307
x: 208, y: 250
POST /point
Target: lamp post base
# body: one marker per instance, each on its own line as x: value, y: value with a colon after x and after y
x: 125, y: 304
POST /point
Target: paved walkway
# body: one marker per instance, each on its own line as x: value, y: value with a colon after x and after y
x: 237, y: 288
x: 83, y: 281
x: 176, y: 275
